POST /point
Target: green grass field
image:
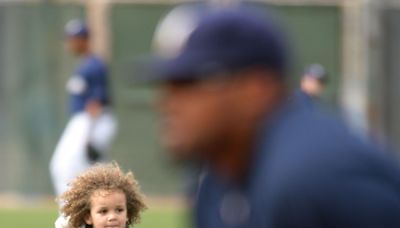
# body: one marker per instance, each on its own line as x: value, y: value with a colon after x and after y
x: 45, y: 217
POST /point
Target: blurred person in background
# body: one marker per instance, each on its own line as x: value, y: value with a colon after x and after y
x: 170, y: 34
x: 312, y: 85
x: 91, y: 129
x: 269, y: 161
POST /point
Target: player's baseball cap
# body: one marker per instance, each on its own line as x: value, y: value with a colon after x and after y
x: 224, y: 41
x: 76, y: 28
x: 316, y: 71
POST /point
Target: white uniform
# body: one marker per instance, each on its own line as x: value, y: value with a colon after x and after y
x: 70, y: 156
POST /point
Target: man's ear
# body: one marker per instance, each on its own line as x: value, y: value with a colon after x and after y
x: 88, y: 219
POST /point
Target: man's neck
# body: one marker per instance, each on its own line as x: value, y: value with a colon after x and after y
x: 233, y: 160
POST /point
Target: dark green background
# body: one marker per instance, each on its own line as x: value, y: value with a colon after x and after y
x: 314, y: 33
x: 34, y: 69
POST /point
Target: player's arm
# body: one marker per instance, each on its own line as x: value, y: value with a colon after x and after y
x: 97, y: 93
x: 94, y: 108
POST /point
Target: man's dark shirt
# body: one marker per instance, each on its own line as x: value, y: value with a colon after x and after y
x: 308, y: 171
x: 305, y: 99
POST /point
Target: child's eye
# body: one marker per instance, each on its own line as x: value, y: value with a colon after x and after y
x: 120, y: 210
x: 104, y: 211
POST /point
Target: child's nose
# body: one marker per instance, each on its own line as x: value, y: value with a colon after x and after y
x: 112, y: 216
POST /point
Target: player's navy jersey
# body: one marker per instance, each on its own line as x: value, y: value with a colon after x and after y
x: 89, y: 82
x: 305, y: 99
x: 308, y: 171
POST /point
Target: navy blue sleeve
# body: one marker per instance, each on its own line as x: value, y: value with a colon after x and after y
x: 360, y: 202
x: 97, y: 92
x: 96, y: 77
x: 353, y: 203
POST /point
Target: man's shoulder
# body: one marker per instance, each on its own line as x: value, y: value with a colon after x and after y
x: 310, y: 147
x: 306, y: 130
x: 92, y: 64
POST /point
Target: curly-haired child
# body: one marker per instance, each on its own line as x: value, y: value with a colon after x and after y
x: 103, y: 196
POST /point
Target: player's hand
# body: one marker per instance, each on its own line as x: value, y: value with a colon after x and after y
x: 94, y: 108
x: 93, y: 154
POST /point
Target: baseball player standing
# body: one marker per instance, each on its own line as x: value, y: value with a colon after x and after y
x: 312, y: 85
x: 92, y: 127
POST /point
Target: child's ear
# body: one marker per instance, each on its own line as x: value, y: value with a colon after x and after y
x: 88, y: 220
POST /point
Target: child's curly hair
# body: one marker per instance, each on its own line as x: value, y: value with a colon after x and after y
x: 107, y: 177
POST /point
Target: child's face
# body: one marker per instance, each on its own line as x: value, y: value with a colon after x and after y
x: 108, y: 210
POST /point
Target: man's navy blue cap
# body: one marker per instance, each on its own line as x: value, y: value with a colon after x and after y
x: 225, y: 41
x: 76, y: 28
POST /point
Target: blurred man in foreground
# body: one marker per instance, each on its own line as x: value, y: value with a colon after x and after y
x: 91, y: 128
x: 270, y: 162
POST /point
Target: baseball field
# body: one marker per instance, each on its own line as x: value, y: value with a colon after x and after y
x: 43, y: 217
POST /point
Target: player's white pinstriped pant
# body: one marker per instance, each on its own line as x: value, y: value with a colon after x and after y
x: 70, y: 156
